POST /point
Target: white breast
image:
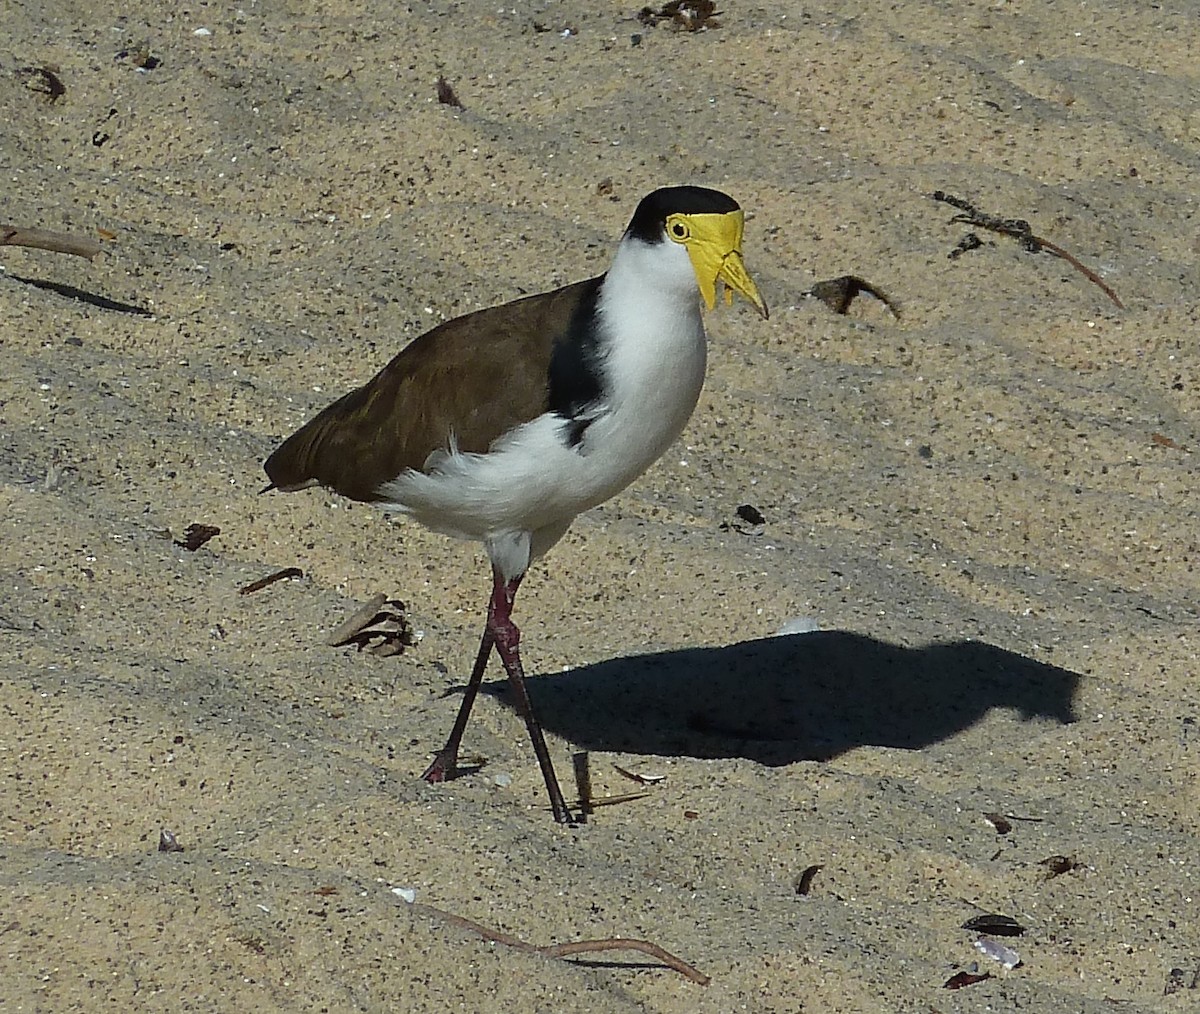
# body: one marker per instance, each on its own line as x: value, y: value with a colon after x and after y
x: 531, y: 480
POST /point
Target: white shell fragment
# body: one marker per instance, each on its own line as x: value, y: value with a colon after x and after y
x: 408, y: 894
x: 998, y: 952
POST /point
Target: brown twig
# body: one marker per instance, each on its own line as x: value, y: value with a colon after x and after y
x: 569, y: 949
x: 1022, y: 232
x: 622, y: 944
x: 1087, y: 272
x: 270, y: 579
x: 43, y: 239
x: 633, y: 776
x: 583, y: 782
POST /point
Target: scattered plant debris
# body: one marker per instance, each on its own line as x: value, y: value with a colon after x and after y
x: 1178, y: 979
x: 566, y: 31
x: 633, y: 776
x: 960, y: 979
x: 1056, y: 866
x: 138, y: 54
x: 43, y: 239
x: 570, y: 949
x: 100, y: 136
x: 445, y: 94
x: 1165, y: 441
x: 195, y: 535
x: 588, y: 803
x: 682, y: 15
x: 969, y: 242
x: 252, y: 943
x: 1022, y: 232
x: 263, y: 582
x: 804, y: 884
x: 995, y: 925
x: 624, y: 797
x: 1000, y: 822
x: 379, y: 627
x: 839, y: 293
x: 44, y: 80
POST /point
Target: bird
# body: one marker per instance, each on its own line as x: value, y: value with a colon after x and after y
x: 503, y: 425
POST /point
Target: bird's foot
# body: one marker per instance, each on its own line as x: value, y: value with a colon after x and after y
x: 443, y: 768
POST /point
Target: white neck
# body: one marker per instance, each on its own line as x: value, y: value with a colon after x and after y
x: 650, y: 309
x: 653, y: 354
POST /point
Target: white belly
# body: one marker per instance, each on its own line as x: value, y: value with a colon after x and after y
x: 531, y: 479
x: 532, y: 482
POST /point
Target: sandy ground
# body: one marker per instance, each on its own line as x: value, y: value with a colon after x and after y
x: 987, y: 505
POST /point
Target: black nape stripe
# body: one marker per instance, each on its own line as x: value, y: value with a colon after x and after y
x: 576, y: 379
x: 651, y: 215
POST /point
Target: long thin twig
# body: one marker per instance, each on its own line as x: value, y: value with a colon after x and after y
x: 568, y: 949
x: 1022, y: 232
x: 43, y: 239
x: 263, y: 582
x: 1087, y: 272
x: 622, y: 944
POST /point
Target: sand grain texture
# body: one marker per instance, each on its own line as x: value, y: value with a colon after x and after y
x: 988, y: 505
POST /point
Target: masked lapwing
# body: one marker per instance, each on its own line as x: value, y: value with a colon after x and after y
x: 504, y: 424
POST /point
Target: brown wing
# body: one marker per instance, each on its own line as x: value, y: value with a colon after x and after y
x: 475, y: 376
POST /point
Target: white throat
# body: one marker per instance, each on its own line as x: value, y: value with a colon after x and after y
x: 520, y: 496
x: 654, y: 334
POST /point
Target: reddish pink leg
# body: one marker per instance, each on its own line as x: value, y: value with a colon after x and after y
x: 503, y: 633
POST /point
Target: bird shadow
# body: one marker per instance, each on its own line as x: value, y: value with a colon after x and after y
x: 800, y: 697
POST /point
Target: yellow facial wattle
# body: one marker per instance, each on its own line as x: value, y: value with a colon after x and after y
x: 714, y: 244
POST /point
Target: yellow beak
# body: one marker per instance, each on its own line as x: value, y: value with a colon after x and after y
x: 714, y: 244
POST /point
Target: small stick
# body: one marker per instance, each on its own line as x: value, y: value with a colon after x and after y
x: 43, y: 239
x: 570, y: 949
x: 270, y: 579
x: 1087, y: 272
x: 624, y: 797
x: 633, y: 776
x: 1022, y: 232
x: 583, y: 783
x: 622, y: 944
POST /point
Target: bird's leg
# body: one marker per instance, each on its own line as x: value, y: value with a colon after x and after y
x: 445, y: 763
x: 507, y: 639
x: 503, y: 633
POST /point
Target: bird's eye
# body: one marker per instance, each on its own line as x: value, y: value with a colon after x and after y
x: 678, y: 230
